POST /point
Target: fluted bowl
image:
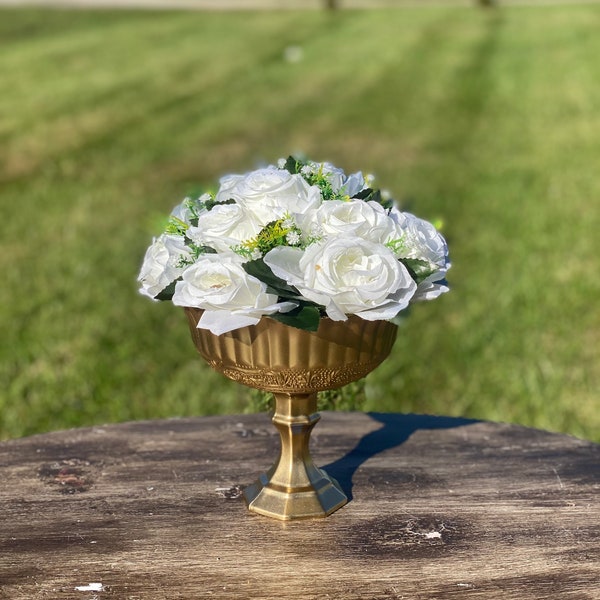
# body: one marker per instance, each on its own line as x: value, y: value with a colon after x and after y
x: 274, y: 357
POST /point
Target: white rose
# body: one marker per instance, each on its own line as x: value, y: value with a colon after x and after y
x: 421, y: 240
x: 163, y: 264
x: 227, y: 184
x: 229, y: 296
x: 428, y: 289
x: 270, y: 193
x: 346, y: 276
x: 224, y: 226
x: 356, y: 218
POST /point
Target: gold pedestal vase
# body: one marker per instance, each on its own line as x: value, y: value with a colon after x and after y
x: 294, y: 365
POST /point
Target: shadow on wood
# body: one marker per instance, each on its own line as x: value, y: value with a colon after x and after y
x: 396, y: 430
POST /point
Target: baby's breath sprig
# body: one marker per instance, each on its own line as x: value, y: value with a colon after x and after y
x: 195, y: 205
x: 176, y: 226
x: 282, y: 232
x: 245, y: 251
x: 397, y: 246
x: 314, y: 174
x: 196, y: 252
x: 320, y: 179
x: 204, y: 202
x: 184, y: 261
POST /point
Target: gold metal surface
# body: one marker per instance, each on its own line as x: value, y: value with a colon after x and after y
x: 295, y: 364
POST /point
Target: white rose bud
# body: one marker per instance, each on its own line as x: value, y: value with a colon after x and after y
x: 163, y: 264
x: 354, y: 183
x: 421, y: 240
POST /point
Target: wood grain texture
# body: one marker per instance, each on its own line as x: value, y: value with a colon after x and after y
x: 440, y: 508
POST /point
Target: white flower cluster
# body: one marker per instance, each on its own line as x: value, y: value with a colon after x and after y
x: 293, y: 237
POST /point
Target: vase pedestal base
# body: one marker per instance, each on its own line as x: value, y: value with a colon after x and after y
x: 293, y: 488
x: 323, y: 498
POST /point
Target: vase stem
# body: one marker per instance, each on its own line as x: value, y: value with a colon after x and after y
x: 293, y: 488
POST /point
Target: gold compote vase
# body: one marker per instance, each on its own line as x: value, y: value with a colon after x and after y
x: 294, y: 365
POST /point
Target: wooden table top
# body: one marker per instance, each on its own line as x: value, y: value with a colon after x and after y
x: 441, y: 508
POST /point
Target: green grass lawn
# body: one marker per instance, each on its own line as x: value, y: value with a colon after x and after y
x: 488, y: 120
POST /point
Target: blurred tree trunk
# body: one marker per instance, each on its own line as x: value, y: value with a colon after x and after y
x: 331, y: 4
x: 487, y: 3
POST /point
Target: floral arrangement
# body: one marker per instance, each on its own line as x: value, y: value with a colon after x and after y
x: 297, y: 242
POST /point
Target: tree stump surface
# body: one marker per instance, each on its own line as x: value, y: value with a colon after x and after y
x: 441, y: 508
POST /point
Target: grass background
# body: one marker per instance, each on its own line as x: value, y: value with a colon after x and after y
x: 489, y: 120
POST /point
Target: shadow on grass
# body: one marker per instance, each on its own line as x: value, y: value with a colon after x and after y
x: 397, y: 428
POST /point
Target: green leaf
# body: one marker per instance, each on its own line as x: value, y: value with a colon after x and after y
x: 418, y: 269
x: 364, y: 194
x: 376, y: 197
x: 305, y: 317
x: 210, y: 204
x: 292, y: 165
x: 205, y: 250
x: 275, y: 285
x: 369, y: 195
x: 167, y: 293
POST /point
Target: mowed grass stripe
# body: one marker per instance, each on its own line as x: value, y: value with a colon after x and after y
x: 113, y: 117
